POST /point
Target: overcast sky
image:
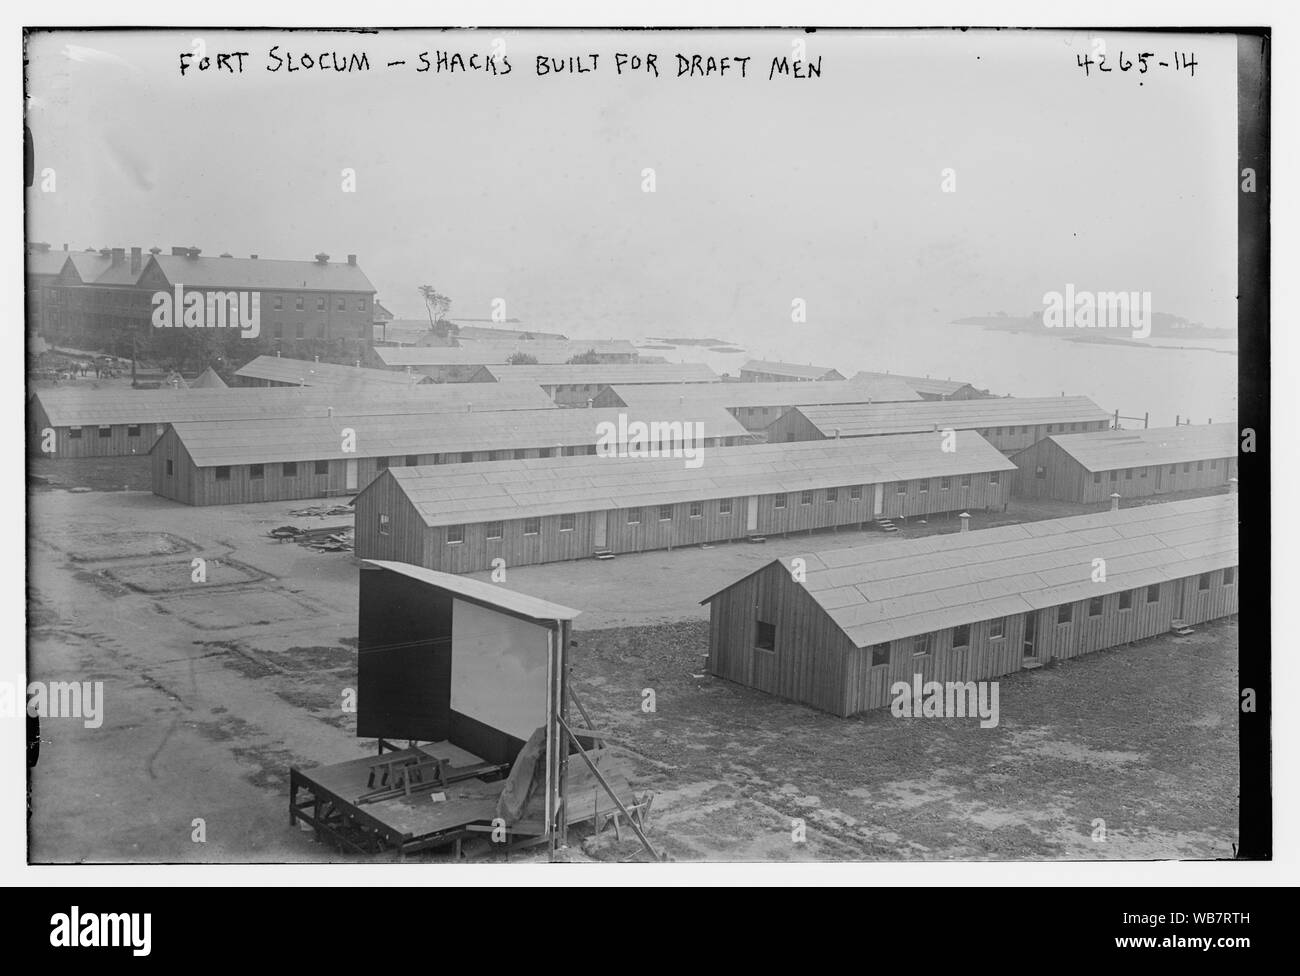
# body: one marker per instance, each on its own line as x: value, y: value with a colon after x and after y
x: 529, y: 188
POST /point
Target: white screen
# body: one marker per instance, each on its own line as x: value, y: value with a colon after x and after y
x: 498, y: 669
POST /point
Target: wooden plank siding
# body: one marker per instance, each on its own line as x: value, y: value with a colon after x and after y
x: 173, y: 471
x: 927, y: 496
x: 806, y: 663
x: 240, y: 487
x: 651, y: 532
x: 122, y: 440
x: 809, y: 645
x: 985, y: 657
x: 1048, y: 471
x: 792, y: 425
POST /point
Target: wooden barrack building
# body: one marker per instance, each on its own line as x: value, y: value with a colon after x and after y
x: 1008, y: 423
x: 972, y: 606
x: 219, y: 463
x: 116, y: 422
x: 459, y: 519
x: 756, y: 405
x: 1087, y: 468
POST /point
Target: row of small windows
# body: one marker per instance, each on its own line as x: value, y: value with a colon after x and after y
x: 923, y: 644
x: 945, y: 484
x: 1050, y: 429
x: 1142, y: 472
x: 494, y: 531
x: 340, y: 303
x: 256, y: 472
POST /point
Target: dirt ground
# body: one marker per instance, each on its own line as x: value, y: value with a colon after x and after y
x: 213, y: 690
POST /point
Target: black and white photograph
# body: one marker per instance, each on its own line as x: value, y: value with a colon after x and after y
x: 488, y: 447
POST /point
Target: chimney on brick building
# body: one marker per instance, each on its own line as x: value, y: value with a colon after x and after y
x: 118, y: 255
x: 352, y: 260
x: 137, y: 259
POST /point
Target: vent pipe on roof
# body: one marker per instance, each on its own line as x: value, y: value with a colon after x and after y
x: 1114, y: 501
x: 965, y: 521
x: 837, y: 433
x: 316, y: 358
x: 329, y: 411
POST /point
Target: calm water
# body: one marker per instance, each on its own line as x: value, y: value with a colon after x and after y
x: 1197, y: 383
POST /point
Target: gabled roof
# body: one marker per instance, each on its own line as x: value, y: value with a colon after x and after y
x: 1107, y: 450
x: 786, y: 369
x: 736, y: 395
x: 897, y: 589
x: 45, y: 262
x: 922, y: 384
x: 270, y: 439
x: 85, y: 266
x: 282, y: 369
x: 257, y: 274
x: 486, y: 594
x: 862, y: 420
x: 463, y: 493
x: 73, y: 407
x: 208, y: 380
x: 606, y: 373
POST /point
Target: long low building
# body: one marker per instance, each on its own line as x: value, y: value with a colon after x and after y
x: 219, y: 463
x: 455, y: 364
x: 73, y: 423
x: 970, y: 606
x: 768, y: 371
x: 577, y: 385
x: 459, y: 519
x: 1008, y: 423
x: 1154, y: 461
x: 929, y: 387
x: 756, y: 405
x: 284, y: 371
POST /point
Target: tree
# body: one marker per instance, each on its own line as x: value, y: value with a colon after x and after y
x: 437, y: 305
x: 585, y: 358
x: 521, y: 359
